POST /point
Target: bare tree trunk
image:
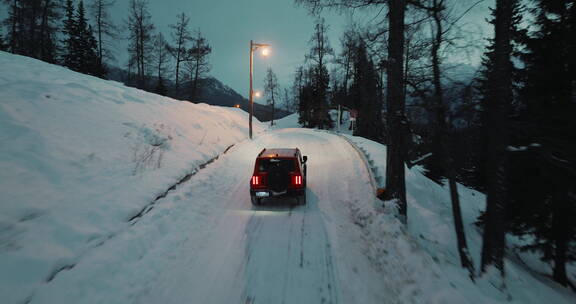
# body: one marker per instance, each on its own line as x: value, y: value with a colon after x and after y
x: 499, y: 99
x: 32, y: 38
x: 395, y: 176
x: 441, y: 132
x: 195, y: 83
x: 178, y: 54
x: 44, y: 31
x: 99, y: 21
x: 560, y: 217
x: 14, y: 22
x: 272, y: 120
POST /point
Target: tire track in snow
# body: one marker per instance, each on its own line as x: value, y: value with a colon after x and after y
x: 132, y: 220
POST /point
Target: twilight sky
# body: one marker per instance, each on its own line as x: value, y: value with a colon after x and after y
x: 229, y: 25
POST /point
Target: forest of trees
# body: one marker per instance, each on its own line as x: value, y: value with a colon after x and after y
x: 79, y: 36
x: 508, y: 131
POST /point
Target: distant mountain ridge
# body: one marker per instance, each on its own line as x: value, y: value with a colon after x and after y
x: 212, y: 91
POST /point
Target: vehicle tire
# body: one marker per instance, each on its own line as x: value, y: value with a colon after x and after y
x: 255, y: 201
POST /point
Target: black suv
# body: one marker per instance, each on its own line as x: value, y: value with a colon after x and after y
x: 279, y: 172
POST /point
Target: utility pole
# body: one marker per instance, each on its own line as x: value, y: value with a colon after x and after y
x: 253, y: 47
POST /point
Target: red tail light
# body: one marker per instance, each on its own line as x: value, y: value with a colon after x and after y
x: 256, y: 180
x: 297, y: 180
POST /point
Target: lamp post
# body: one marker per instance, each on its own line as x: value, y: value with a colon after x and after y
x: 253, y: 47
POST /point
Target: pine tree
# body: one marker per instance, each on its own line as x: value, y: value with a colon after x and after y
x: 86, y: 54
x: 320, y: 79
x: 297, y: 85
x: 81, y: 47
x: 306, y: 98
x: 32, y: 27
x: 95, y: 68
x: 3, y: 46
x: 289, y: 104
x: 14, y: 25
x: 47, y: 30
x: 497, y: 106
x: 545, y: 205
x: 70, y: 41
x: 364, y: 93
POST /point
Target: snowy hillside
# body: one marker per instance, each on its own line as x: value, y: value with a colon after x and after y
x: 80, y: 156
x: 430, y: 224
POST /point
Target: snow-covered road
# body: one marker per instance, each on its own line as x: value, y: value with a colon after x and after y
x: 205, y: 242
x: 269, y: 254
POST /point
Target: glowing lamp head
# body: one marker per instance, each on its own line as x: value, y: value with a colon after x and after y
x: 237, y: 106
x: 265, y: 51
x: 257, y: 94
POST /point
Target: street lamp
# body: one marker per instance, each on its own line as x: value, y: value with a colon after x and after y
x: 265, y: 52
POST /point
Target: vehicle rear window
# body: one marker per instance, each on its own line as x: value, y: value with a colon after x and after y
x: 268, y: 164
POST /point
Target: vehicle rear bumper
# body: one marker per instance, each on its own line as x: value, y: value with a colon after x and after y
x: 265, y: 193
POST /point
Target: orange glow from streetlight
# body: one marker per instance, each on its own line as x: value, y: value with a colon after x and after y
x: 257, y: 94
x: 265, y: 52
x: 237, y: 106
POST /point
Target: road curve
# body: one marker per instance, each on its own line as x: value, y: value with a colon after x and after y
x: 206, y: 243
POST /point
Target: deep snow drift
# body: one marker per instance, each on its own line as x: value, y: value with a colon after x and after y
x: 79, y: 156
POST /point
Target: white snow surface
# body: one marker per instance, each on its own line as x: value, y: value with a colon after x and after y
x: 430, y: 224
x: 80, y: 156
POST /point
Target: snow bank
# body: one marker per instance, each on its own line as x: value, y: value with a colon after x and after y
x: 79, y: 156
x: 291, y: 121
x: 430, y: 225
